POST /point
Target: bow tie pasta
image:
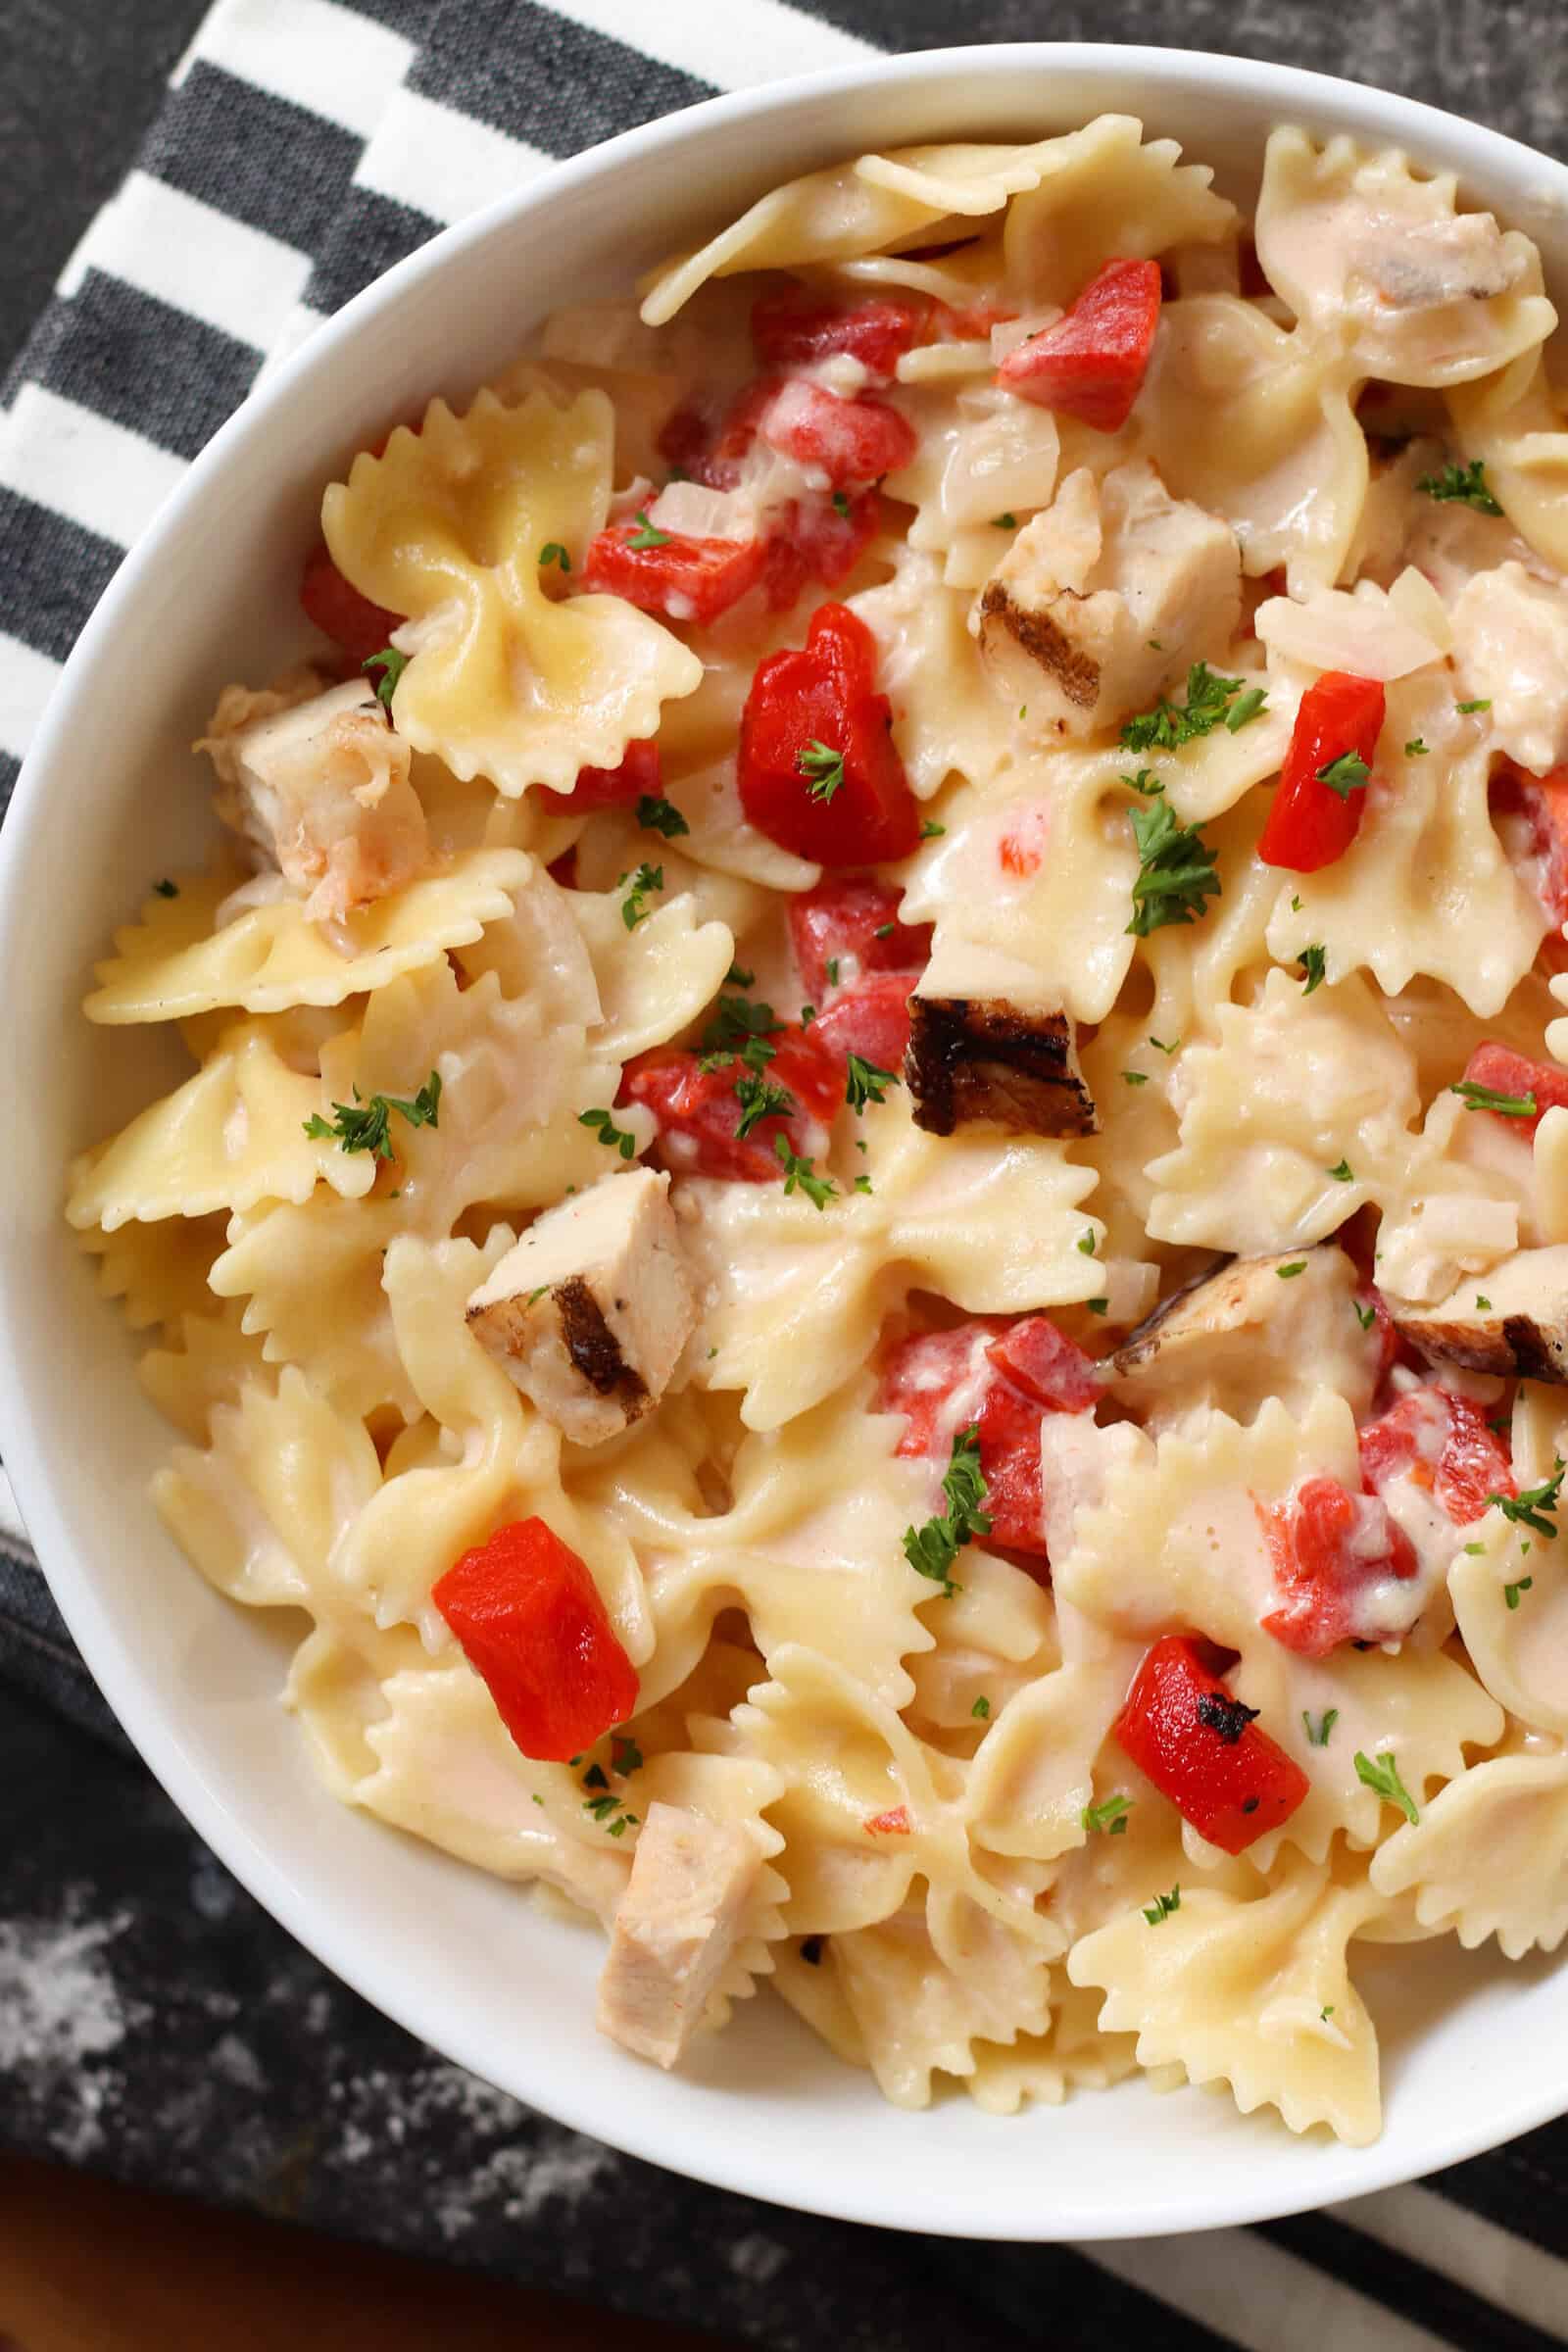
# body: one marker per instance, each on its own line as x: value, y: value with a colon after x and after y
x: 869, y: 1197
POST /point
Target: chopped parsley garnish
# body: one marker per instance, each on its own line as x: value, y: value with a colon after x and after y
x: 1317, y: 1734
x: 1383, y: 1778
x: 1135, y: 1077
x: 1229, y: 1717
x: 594, y: 1778
x: 1367, y: 1316
x: 1325, y: 2012
x: 1511, y: 1593
x: 1097, y: 1307
x: 760, y: 1099
x: 661, y: 817
x: 391, y: 664
x: 647, y: 535
x: 931, y: 1550
x: 553, y: 551
x: 1486, y: 1098
x: 1298, y: 1265
x: 867, y: 1083
x: 1085, y: 1242
x: 1004, y: 522
x: 884, y: 931
x: 614, y: 1137
x: 1161, y: 1047
x: 1466, y: 710
x: 1296, y: 903
x: 1343, y: 1173
x: 1530, y: 1508
x: 1313, y: 961
x: 981, y: 1710
x: 624, y: 1754
x: 360, y: 1126
x: 1176, y: 873
x: 1345, y: 774
x: 808, y: 1015
x: 818, y: 1190
x: 1416, y: 748
x: 1482, y: 1303
x: 1246, y: 705
x: 1466, y: 485
x: 862, y: 1184
x: 739, y: 1027
x: 1169, y: 724
x: 166, y: 889
x: 832, y: 969
x: 931, y: 830
x: 1160, y: 1909
x: 1109, y: 1816
x: 735, y: 978
x: 1145, y: 781
x: 823, y: 768
x: 645, y: 879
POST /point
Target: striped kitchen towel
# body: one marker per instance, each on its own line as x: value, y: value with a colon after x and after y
x: 305, y: 145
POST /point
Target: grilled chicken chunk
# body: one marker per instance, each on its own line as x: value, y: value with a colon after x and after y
x: 1522, y: 1329
x: 1240, y: 1333
x: 318, y: 785
x: 588, y: 1313
x: 986, y: 1062
x: 1105, y: 598
x: 675, y: 1929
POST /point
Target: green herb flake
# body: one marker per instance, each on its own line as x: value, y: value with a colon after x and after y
x: 1466, y: 485
x: 661, y: 817
x: 1468, y: 710
x: 594, y: 1777
x: 1343, y: 1173
x: 1530, y: 1508
x: 1486, y: 1097
x: 1098, y: 1306
x: 801, y: 1174
x: 1325, y: 2012
x: 1135, y: 1077
x: 1289, y: 1273
x: 553, y: 551
x: 646, y: 535
x: 391, y: 664
x: 1511, y: 1593
x: 1169, y: 724
x: 1345, y: 774
x: 1087, y: 1243
x: 624, y: 1754
x: 867, y: 1083
x: 1474, y: 1550
x: 832, y: 969
x: 1317, y: 1734
x: 931, y: 1550
x: 1313, y: 961
x: 1383, y: 1778
x: 981, y: 1710
x: 1176, y: 870
x: 1161, y: 1047
x: 613, y: 1138
x: 1482, y: 1303
x: 823, y: 768
x: 1108, y: 1817
x: 1367, y: 1316
x: 931, y: 830
x: 166, y: 889
x: 360, y: 1126
x: 1416, y: 748
x: 1004, y: 522
x: 632, y: 908
x: 760, y: 1099
x: 808, y: 1015
x: 1160, y: 1909
x: 1245, y: 708
x: 840, y: 502
x: 862, y: 1184
x: 736, y: 978
x: 884, y: 931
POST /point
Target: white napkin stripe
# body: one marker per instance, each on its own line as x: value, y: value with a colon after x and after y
x: 27, y: 681
x: 441, y: 161
x: 1257, y: 2295
x: 312, y: 53
x: 190, y: 255
x: 733, y: 44
x: 83, y: 466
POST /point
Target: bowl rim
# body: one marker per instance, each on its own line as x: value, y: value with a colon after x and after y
x: 742, y: 2164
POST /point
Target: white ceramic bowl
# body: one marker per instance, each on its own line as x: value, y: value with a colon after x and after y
x: 1474, y: 2050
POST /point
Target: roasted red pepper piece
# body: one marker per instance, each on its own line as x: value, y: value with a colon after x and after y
x: 1445, y: 1445
x: 531, y: 1624
x: 793, y: 329
x: 613, y: 787
x: 849, y: 441
x: 811, y: 539
x: 698, y: 1110
x: 1331, y: 1551
x: 1539, y: 806
x: 849, y: 926
x: 1310, y: 823
x: 871, y: 1019
x: 1003, y: 1377
x: 1091, y: 363
x: 1503, y: 1071
x: 1200, y: 1747
x: 826, y: 694
x: 685, y: 579
x: 341, y: 612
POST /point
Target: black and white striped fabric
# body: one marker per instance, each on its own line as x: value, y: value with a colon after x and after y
x: 305, y: 145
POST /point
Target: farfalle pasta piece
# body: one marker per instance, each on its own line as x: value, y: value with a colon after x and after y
x: 232, y: 1136
x: 795, y: 1296
x: 1513, y: 423
x: 1106, y: 190
x: 447, y: 527
x: 1489, y: 1856
x: 207, y: 1360
x: 656, y: 978
x: 943, y: 720
x: 158, y: 1271
x: 1294, y: 1086
x: 1034, y: 1771
x: 1256, y: 1993
x: 265, y: 1506
x: 172, y: 962
x: 1384, y: 265
x: 310, y: 1276
x: 922, y: 2011
x: 1071, y: 2055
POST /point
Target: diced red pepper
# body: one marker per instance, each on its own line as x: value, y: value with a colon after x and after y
x: 895, y: 1822
x: 1542, y: 803
x: 341, y: 612
x: 811, y: 539
x: 871, y: 1019
x: 1091, y: 365
x: 1003, y: 1377
x: 1331, y: 1551
x: 849, y: 926
x: 1202, y: 1749
x: 848, y: 441
x: 1310, y: 823
x: 1444, y: 1446
x: 685, y: 579
x: 793, y: 329
x: 1503, y: 1071
x: 531, y: 1624
x: 698, y: 1110
x: 826, y: 694
x: 613, y: 787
